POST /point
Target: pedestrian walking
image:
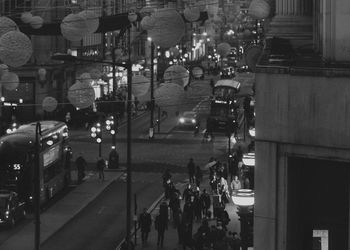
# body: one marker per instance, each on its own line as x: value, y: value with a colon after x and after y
x: 199, y: 176
x: 145, y: 222
x: 234, y: 242
x: 191, y: 168
x: 235, y: 184
x: 160, y: 225
x: 113, y: 159
x: 101, y: 164
x: 205, y: 202
x: 81, y: 164
x: 187, y: 193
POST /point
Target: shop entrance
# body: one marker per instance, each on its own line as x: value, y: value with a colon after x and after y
x: 317, y: 204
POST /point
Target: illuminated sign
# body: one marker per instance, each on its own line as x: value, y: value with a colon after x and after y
x: 219, y: 101
x: 16, y: 166
x: 51, y: 155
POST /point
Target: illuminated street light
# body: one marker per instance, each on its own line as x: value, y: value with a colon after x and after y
x: 244, y: 199
x: 96, y: 133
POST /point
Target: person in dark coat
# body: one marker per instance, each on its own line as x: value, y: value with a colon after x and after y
x: 81, y: 164
x: 145, y: 222
x: 113, y: 159
x: 188, y: 210
x: 191, y: 168
x: 205, y: 202
x: 199, y: 176
x: 161, y: 225
x: 201, y: 238
x: 187, y: 240
x: 100, y: 165
x: 174, y: 204
x: 187, y: 193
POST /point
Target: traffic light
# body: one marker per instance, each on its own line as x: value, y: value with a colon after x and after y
x: 111, y: 125
x: 96, y: 132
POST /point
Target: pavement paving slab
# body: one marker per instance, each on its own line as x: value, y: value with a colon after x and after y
x: 63, y: 211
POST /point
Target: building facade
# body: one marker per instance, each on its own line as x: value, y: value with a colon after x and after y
x: 302, y: 128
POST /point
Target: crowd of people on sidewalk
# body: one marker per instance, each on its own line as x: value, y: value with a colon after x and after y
x: 195, y: 205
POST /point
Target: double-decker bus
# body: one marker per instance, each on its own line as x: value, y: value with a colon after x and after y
x: 223, y: 107
x: 17, y: 160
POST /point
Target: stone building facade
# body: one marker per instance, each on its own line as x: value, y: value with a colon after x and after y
x: 302, y: 128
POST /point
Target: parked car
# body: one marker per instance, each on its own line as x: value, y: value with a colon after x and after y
x: 188, y: 119
x: 11, y: 209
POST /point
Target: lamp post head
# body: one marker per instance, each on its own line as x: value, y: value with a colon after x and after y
x: 243, y: 197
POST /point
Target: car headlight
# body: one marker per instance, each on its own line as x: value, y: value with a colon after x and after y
x: 193, y: 121
x: 181, y: 120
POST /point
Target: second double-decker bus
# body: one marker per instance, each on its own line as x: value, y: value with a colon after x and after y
x: 223, y: 107
x: 17, y: 154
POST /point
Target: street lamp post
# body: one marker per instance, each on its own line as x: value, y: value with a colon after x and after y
x: 244, y: 199
x: 111, y: 126
x: 151, y: 128
x: 127, y: 66
x: 96, y: 132
x: 37, y: 186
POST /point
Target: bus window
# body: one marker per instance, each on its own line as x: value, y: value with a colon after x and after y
x: 52, y: 171
x: 49, y: 141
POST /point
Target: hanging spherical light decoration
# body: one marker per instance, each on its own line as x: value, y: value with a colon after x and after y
x: 140, y: 85
x: 176, y: 74
x: 197, y: 72
x: 132, y: 16
x: 6, y: 25
x: 147, y: 22
x: 118, y: 53
x: 252, y: 55
x: 15, y: 48
x: 85, y: 78
x: 36, y: 22
x: 247, y: 33
x: 95, y: 74
x: 26, y: 17
x: 146, y: 10
x: 168, y: 29
x: 174, y: 51
x: 74, y: 27
x: 42, y: 74
x: 91, y: 19
x: 81, y: 95
x: 192, y: 14
x: 223, y: 49
x: 49, y: 104
x: 259, y: 9
x: 3, y: 68
x: 10, y: 80
x: 168, y: 95
x: 201, y: 5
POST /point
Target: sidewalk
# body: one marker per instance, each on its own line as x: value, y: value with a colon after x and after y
x: 171, y: 236
x: 60, y: 213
